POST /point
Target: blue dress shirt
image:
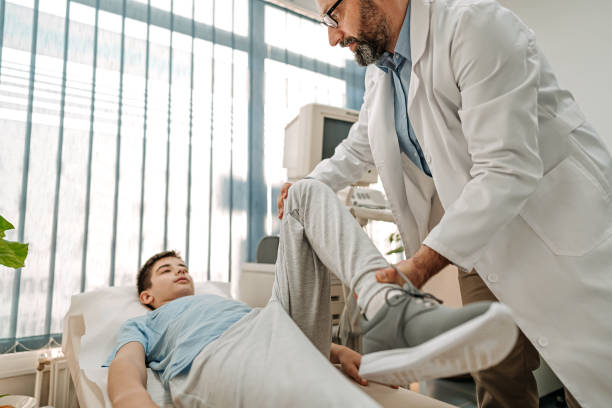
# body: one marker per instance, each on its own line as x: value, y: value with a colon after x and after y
x: 400, y: 65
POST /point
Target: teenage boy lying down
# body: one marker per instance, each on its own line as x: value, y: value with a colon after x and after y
x: 211, y: 351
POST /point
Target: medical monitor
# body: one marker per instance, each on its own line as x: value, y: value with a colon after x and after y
x: 313, y: 135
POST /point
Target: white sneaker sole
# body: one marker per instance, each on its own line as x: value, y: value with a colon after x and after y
x: 473, y: 346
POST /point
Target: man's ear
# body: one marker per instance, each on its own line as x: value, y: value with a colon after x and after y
x: 146, y: 298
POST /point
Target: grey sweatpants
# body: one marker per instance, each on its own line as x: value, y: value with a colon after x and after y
x: 265, y: 359
x: 319, y: 236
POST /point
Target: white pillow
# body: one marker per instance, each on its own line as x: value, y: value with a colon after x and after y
x: 102, y: 312
x: 105, y: 310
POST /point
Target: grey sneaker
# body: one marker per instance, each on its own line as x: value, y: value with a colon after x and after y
x: 414, y: 338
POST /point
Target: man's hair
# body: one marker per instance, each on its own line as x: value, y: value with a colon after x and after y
x: 143, y: 282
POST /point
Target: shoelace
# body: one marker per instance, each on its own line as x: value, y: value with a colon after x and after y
x: 412, y: 292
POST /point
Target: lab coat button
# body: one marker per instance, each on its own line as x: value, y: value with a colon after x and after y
x: 543, y: 341
x: 428, y: 158
x: 492, y: 277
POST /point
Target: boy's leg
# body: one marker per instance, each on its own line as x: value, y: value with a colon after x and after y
x: 264, y: 360
x: 319, y: 235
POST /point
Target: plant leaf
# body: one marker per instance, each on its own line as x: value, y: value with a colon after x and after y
x: 13, y: 254
x: 395, y: 251
x: 4, y: 226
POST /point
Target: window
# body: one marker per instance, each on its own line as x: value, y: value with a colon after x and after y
x: 128, y: 130
x: 300, y: 68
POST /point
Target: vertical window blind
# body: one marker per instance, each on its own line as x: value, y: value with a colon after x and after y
x: 129, y: 127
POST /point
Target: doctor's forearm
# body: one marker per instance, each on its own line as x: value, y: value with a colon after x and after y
x: 426, y: 263
x: 418, y: 269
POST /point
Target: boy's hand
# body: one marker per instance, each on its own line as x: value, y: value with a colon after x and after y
x: 349, y: 360
x: 280, y: 200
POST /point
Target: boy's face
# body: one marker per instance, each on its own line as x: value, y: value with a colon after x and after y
x: 170, y: 280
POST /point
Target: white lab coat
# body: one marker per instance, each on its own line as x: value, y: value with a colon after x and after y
x: 522, y: 185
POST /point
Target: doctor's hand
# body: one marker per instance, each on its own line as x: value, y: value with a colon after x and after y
x: 280, y: 200
x: 418, y: 269
x: 390, y: 275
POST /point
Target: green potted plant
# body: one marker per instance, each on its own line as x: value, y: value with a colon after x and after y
x: 395, y: 238
x: 13, y: 255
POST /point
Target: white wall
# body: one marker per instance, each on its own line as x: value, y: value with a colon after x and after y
x: 576, y: 37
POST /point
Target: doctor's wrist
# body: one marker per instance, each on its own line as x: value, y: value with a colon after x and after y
x: 425, y: 264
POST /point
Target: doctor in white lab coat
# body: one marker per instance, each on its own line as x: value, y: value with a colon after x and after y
x: 521, y: 186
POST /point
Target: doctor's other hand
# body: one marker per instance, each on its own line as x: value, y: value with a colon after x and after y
x: 280, y: 200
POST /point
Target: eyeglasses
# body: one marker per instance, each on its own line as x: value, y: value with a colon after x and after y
x: 327, y: 19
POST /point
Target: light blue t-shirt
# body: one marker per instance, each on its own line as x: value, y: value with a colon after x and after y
x: 175, y: 333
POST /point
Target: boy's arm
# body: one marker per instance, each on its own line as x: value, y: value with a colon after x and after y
x: 127, y: 378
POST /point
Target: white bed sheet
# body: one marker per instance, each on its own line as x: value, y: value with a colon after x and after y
x: 92, y: 324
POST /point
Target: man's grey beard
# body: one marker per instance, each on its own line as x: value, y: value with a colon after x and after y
x: 373, y: 36
x: 366, y: 54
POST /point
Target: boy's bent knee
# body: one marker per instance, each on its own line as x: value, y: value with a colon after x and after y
x: 301, y: 193
x: 306, y: 187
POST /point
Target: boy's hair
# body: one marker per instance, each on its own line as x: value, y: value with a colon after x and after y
x: 143, y: 281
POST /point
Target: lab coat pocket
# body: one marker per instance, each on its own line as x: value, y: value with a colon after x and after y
x: 570, y: 210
